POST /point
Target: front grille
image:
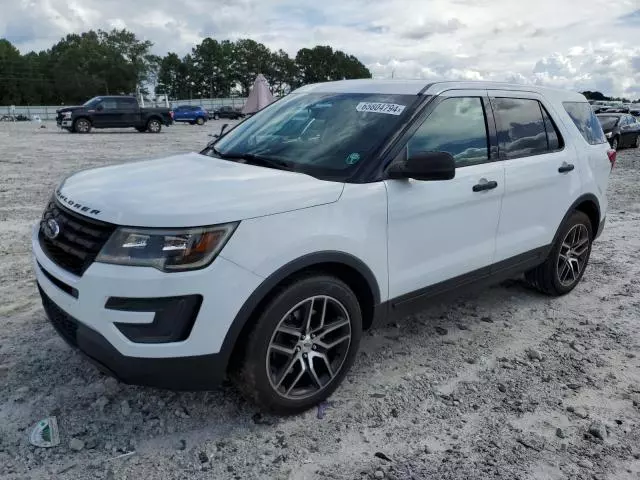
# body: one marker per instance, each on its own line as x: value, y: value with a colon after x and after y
x: 78, y: 242
x: 65, y: 324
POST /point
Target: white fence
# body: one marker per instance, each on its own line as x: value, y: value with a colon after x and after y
x: 48, y: 112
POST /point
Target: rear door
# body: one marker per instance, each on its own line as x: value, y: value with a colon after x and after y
x: 630, y: 131
x: 442, y: 230
x: 129, y: 112
x: 541, y: 174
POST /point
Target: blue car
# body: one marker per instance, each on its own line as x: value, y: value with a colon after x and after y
x: 192, y: 114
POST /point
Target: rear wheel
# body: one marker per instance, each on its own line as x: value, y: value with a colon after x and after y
x: 200, y: 121
x: 302, y: 345
x: 564, y: 267
x: 82, y: 125
x: 154, y: 125
x: 614, y: 143
x: 637, y: 142
x: 216, y: 116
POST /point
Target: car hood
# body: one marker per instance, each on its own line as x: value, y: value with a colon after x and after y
x: 190, y: 190
x: 69, y: 109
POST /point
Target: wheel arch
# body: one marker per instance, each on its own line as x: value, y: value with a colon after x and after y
x: 590, y: 206
x: 348, y: 268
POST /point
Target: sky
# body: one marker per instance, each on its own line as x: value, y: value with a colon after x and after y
x: 573, y: 44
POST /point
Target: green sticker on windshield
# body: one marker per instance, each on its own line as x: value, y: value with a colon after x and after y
x: 353, y: 158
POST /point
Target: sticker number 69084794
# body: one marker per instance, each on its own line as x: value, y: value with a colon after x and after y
x: 379, y: 107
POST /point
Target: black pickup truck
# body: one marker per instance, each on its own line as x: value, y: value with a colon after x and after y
x: 113, y: 112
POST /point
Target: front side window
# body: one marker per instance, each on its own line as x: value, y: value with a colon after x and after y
x: 457, y: 126
x: 586, y: 121
x: 322, y: 134
x: 521, y: 128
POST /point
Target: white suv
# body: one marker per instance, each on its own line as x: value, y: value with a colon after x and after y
x: 341, y: 205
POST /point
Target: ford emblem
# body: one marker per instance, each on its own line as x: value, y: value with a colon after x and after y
x: 51, y: 229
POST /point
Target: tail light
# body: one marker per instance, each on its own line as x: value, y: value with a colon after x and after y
x: 171, y: 113
x: 612, y: 157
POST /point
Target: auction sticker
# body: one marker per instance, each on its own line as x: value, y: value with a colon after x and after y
x: 378, y: 107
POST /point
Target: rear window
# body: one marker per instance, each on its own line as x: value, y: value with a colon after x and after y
x: 586, y: 121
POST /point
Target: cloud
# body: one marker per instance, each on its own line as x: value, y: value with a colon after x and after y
x: 590, y: 46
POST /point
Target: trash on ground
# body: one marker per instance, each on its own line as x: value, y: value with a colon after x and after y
x: 45, y: 433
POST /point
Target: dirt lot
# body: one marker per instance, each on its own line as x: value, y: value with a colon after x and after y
x: 505, y: 384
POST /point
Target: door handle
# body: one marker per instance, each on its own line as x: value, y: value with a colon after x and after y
x: 485, y: 185
x: 566, y: 167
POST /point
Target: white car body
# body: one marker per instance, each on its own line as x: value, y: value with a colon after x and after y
x: 402, y: 236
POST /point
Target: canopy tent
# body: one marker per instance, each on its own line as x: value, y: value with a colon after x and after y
x: 259, y: 97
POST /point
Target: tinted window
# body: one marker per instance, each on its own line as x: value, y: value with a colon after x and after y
x: 586, y: 121
x: 127, y: 103
x: 521, y: 128
x: 608, y: 122
x: 554, y: 139
x: 457, y: 126
x: 109, y: 104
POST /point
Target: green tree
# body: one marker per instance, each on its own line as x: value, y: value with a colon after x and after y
x: 321, y: 64
x: 251, y: 58
x: 11, y: 68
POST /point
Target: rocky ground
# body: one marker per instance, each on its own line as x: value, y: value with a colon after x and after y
x: 503, y: 384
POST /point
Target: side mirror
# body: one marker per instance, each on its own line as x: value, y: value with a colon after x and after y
x: 424, y: 166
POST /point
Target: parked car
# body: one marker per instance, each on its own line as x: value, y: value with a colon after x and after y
x: 113, y: 112
x: 266, y: 255
x: 622, y: 130
x: 225, y: 111
x: 191, y: 114
x: 634, y: 109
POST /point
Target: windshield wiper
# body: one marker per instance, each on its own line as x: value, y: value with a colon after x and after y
x: 255, y: 159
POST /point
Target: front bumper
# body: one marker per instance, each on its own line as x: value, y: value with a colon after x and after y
x: 80, y: 304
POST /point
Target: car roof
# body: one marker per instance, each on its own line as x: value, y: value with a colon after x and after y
x: 416, y: 87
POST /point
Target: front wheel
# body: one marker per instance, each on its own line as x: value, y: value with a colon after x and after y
x: 216, y: 116
x: 614, y: 143
x: 200, y: 121
x: 82, y: 125
x: 154, y: 126
x: 302, y: 345
x: 564, y: 267
x: 637, y: 142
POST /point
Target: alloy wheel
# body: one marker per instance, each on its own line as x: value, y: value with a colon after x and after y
x: 82, y: 126
x: 637, y: 145
x: 154, y: 126
x: 308, y: 347
x: 614, y: 144
x: 573, y: 255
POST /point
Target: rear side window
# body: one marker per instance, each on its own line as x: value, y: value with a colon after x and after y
x: 586, y: 121
x: 521, y: 128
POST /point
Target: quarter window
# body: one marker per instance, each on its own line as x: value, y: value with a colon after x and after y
x: 457, y: 126
x: 586, y: 121
x: 554, y: 139
x: 521, y: 128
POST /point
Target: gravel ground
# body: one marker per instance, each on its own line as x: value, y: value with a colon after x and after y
x: 503, y: 384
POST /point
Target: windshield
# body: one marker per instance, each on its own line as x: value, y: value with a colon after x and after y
x: 321, y: 134
x: 608, y: 122
x: 91, y: 102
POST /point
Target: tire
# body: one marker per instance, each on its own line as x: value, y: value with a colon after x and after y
x: 637, y: 142
x: 216, y: 116
x: 200, y: 121
x: 154, y: 125
x: 556, y: 276
x: 615, y: 143
x: 262, y: 374
x: 82, y: 125
x: 141, y: 129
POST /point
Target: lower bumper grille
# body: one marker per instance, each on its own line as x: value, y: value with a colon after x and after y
x: 65, y: 324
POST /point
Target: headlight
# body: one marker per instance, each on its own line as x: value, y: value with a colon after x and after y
x: 608, y: 135
x: 167, y: 250
x: 66, y: 114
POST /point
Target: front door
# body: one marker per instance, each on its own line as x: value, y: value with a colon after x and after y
x: 442, y: 230
x: 106, y: 114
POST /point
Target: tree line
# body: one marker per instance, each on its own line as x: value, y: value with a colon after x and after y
x: 601, y: 96
x: 116, y: 62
